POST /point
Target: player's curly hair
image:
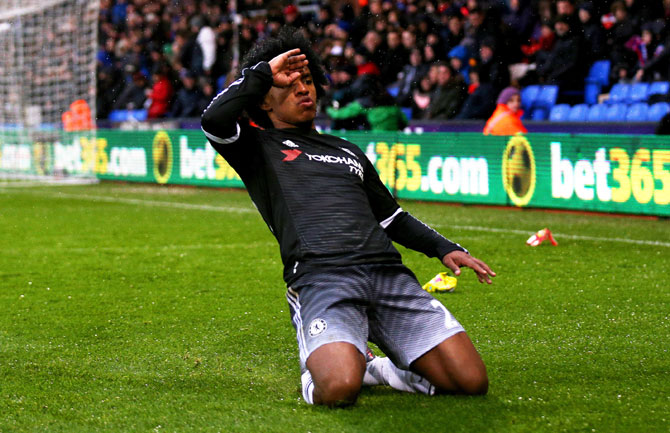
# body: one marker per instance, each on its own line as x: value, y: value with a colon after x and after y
x: 265, y: 50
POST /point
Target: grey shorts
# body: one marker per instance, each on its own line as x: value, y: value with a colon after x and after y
x: 384, y: 304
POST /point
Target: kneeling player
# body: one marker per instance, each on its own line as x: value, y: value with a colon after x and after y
x: 335, y: 222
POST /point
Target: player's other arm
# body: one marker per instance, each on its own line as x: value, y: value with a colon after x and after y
x: 410, y: 232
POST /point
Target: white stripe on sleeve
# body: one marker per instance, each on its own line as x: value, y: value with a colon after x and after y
x: 387, y: 222
x: 219, y: 140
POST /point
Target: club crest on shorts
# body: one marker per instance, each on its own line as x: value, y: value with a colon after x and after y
x: 317, y: 327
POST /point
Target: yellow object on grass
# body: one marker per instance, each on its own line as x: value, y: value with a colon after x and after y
x: 441, y: 283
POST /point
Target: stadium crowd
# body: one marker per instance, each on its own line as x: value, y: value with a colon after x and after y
x: 444, y: 59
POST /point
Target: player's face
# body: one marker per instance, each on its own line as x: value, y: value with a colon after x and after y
x: 292, y: 106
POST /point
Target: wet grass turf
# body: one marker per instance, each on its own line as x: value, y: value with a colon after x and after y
x: 135, y: 308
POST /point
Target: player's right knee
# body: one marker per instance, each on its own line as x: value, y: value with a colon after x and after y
x: 474, y: 383
x: 338, y: 392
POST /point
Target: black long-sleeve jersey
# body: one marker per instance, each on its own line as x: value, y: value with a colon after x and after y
x: 320, y: 195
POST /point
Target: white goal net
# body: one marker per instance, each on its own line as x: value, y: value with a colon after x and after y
x: 47, y: 86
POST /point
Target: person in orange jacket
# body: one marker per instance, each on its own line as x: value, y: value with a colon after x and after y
x: 506, y: 120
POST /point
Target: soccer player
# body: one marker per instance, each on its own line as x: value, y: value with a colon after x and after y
x: 334, y: 221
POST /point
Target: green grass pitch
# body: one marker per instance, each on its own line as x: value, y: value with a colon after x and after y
x: 136, y: 308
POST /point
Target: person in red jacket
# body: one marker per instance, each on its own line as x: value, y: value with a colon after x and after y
x: 506, y: 120
x: 160, y: 95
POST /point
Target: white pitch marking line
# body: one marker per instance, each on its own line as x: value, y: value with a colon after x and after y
x: 557, y: 235
x: 251, y: 210
x: 158, y: 203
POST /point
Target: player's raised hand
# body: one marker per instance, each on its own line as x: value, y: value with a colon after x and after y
x: 455, y: 259
x: 287, y: 67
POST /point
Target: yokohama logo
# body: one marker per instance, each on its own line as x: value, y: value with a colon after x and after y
x: 291, y: 154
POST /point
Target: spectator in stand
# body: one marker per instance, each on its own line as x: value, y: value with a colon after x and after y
x: 449, y: 94
x: 492, y: 67
x: 620, y: 74
x: 478, y: 28
x: 341, y: 83
x: 196, y: 35
x: 520, y: 19
x: 110, y: 85
x: 134, y: 94
x: 619, y: 34
x: 408, y: 40
x: 564, y: 64
x: 452, y: 34
x: 658, y: 67
x: 647, y: 46
x: 643, y: 11
x: 345, y: 17
x: 160, y: 94
x: 346, y: 87
x: 247, y: 38
x: 189, y: 51
x: 293, y: 17
x: 543, y: 43
x: 396, y: 57
x: 459, y: 60
x: 506, y: 119
x: 566, y: 9
x: 190, y: 100
x: 208, y: 93
x: 106, y: 55
x: 119, y: 12
x: 378, y: 107
x: 409, y: 77
x: 430, y: 54
x: 481, y: 98
x: 421, y: 97
x: 594, y: 36
x: 371, y: 48
x: 224, y: 56
x: 206, y: 40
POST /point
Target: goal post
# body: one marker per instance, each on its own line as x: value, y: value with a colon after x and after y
x: 47, y: 86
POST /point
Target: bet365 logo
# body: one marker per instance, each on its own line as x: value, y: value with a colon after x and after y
x: 162, y: 156
x: 518, y: 170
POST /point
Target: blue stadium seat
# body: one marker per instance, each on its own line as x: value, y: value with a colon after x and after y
x: 638, y: 92
x: 599, y: 73
x: 658, y: 88
x: 597, y: 113
x: 539, y: 114
x: 547, y: 97
x: 657, y: 111
x: 407, y: 111
x: 559, y: 113
x: 528, y: 96
x: 126, y: 115
x: 597, y: 78
x: 637, y: 112
x: 619, y: 93
x: 616, y: 113
x: 545, y: 100
x: 578, y: 113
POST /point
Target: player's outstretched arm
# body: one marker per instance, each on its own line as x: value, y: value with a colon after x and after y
x: 456, y: 259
